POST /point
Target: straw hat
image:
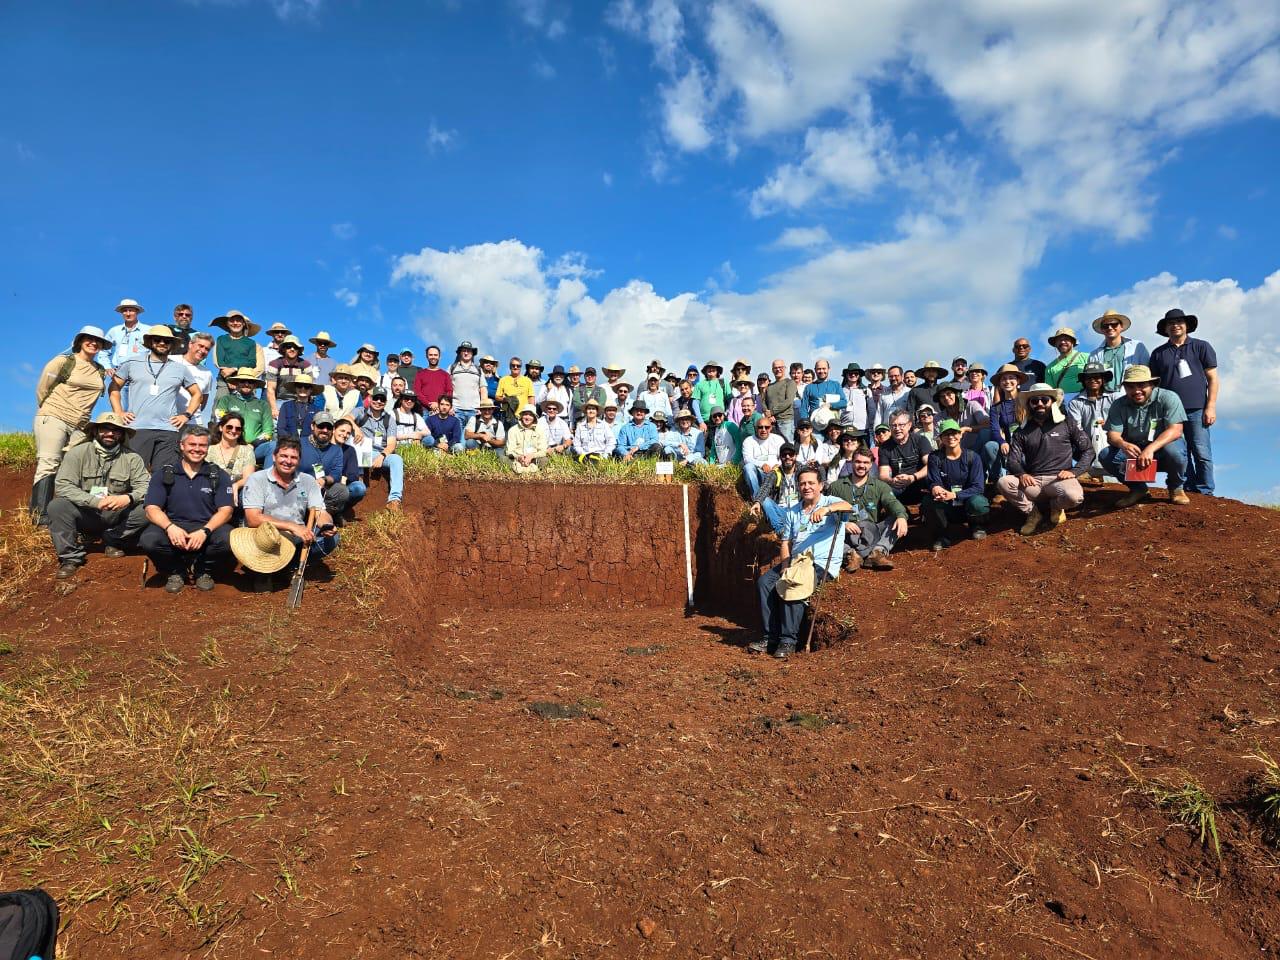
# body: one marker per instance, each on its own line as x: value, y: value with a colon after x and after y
x: 262, y: 549
x: 123, y: 304
x: 278, y: 327
x: 359, y: 370
x: 251, y: 329
x: 323, y: 337
x: 1008, y: 368
x: 110, y: 419
x: 304, y: 380
x: 1125, y: 322
x: 485, y: 404
x: 341, y: 370
x: 796, y: 582
x: 741, y: 380
x: 1138, y: 373
x: 931, y: 365
x: 591, y: 402
x: 246, y: 373
x: 1063, y: 332
x: 158, y: 332
x: 740, y: 364
x: 291, y: 341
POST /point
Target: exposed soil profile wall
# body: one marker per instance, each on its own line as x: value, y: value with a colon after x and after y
x: 530, y: 545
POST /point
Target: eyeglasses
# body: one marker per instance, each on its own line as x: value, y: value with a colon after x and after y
x: 1041, y: 401
x: 186, y: 314
x: 1111, y: 325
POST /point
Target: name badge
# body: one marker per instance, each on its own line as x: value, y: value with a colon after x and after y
x: 97, y: 491
x: 1184, y: 369
x: 155, y: 389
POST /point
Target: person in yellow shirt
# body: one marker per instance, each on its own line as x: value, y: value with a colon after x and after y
x: 514, y: 392
x: 69, y: 385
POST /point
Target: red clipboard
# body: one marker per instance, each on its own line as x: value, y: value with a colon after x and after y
x: 1133, y: 475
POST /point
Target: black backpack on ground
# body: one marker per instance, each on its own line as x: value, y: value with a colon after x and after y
x: 28, y: 925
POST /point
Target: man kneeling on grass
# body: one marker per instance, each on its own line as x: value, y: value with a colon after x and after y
x: 280, y: 496
x: 189, y: 505
x: 812, y: 536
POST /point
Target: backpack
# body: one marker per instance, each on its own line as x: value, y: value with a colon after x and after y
x: 28, y: 925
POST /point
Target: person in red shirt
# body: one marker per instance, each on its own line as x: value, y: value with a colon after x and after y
x: 432, y: 381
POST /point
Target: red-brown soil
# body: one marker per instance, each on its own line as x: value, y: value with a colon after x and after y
x: 946, y: 777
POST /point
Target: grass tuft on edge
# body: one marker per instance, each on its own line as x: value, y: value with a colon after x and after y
x: 421, y: 463
x: 17, y: 451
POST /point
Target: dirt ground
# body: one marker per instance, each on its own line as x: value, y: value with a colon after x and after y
x: 979, y: 761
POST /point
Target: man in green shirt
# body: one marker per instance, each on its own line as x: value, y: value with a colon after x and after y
x: 1144, y: 427
x: 258, y: 425
x: 1064, y: 372
x: 878, y: 520
x: 711, y: 390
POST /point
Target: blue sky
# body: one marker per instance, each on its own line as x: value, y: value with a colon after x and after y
x: 888, y: 181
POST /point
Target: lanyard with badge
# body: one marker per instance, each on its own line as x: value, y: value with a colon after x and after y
x: 155, y: 377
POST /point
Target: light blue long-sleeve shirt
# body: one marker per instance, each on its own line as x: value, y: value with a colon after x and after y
x: 636, y: 438
x: 821, y: 390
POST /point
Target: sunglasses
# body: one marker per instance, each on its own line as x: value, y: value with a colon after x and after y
x: 1111, y: 326
x: 187, y: 314
x: 1041, y: 401
x: 230, y: 429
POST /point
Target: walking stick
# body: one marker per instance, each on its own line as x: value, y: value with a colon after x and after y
x: 813, y: 607
x: 299, y: 576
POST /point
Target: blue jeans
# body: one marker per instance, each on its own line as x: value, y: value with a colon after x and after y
x: 263, y: 451
x: 464, y: 416
x: 754, y: 476
x: 393, y: 466
x: 787, y: 428
x: 774, y: 512
x: 358, y: 490
x: 1199, y: 472
x: 782, y: 618
x: 1170, y: 459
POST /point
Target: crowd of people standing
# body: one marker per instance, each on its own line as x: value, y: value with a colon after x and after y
x: 221, y: 442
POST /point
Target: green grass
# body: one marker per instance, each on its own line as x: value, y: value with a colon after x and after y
x: 486, y: 465
x: 17, y: 451
x: 1269, y: 791
x: 1190, y: 804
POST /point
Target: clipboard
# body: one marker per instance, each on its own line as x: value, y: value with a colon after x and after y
x: 1133, y: 475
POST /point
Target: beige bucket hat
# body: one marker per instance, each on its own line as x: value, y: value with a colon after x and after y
x: 1125, y: 322
x: 1063, y: 332
x: 124, y: 305
x: 108, y: 418
x: 1138, y: 373
x: 262, y: 549
x: 796, y: 582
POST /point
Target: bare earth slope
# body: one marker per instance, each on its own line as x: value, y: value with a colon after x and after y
x: 969, y: 767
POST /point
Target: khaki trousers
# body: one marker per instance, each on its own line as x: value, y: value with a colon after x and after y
x: 1060, y: 494
x: 53, y: 436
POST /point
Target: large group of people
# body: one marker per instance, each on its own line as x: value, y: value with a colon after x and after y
x: 212, y: 436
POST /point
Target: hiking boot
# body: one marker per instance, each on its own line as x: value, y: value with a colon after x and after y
x: 998, y: 500
x: 979, y: 534
x: 758, y: 646
x: 866, y: 563
x: 204, y: 582
x: 1057, y: 518
x: 1130, y: 498
x: 784, y: 650
x: 67, y: 570
x: 175, y: 583
x: 113, y: 552
x: 1179, y: 496
x: 262, y: 583
x: 1031, y: 524
x: 940, y: 544
x: 880, y: 560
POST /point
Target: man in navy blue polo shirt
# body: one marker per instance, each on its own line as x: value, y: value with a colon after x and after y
x: 1189, y: 367
x: 189, y: 506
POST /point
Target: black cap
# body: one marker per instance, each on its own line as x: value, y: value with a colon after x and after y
x: 378, y: 395
x: 806, y: 422
x: 787, y: 449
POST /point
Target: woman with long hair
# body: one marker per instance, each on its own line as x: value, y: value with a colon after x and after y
x: 1004, y: 418
x: 69, y: 385
x: 233, y: 453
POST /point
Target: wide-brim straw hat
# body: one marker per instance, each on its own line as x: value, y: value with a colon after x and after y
x: 246, y: 373
x: 1009, y: 368
x: 1043, y: 390
x: 304, y: 380
x: 1125, y: 322
x: 323, y: 337
x: 278, y: 327
x: 341, y: 370
x: 1063, y: 332
x: 359, y: 370
x: 108, y: 418
x: 591, y: 402
x: 90, y: 332
x: 159, y: 332
x: 485, y: 404
x: 134, y: 304
x: 796, y: 582
x: 931, y: 365
x: 741, y: 380
x: 614, y: 366
x: 1138, y: 373
x: 251, y: 329
x: 741, y: 364
x: 262, y: 549
x: 553, y: 402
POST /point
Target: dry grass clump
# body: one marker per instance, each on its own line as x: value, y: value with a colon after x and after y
x: 369, y: 550
x: 17, y: 451
x: 24, y: 552
x: 140, y: 792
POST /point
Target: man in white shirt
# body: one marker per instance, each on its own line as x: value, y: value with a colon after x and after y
x: 198, y: 347
x: 761, y: 453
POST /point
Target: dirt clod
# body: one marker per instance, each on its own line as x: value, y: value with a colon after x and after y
x: 646, y: 927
